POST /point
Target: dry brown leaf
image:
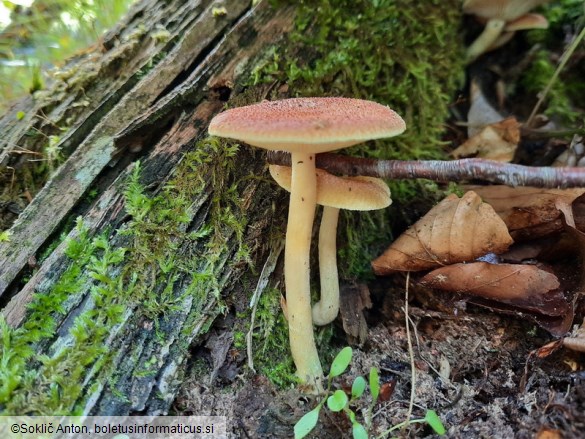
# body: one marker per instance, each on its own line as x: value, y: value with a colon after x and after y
x: 578, y: 211
x: 455, y: 230
x: 549, y: 433
x: 556, y: 325
x: 523, y: 286
x: 497, y: 141
x: 528, y: 212
x: 547, y: 350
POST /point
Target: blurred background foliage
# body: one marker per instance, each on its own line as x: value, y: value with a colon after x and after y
x: 37, y: 35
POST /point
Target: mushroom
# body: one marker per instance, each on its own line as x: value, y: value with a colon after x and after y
x: 525, y: 22
x: 504, y: 17
x: 334, y: 193
x: 305, y: 127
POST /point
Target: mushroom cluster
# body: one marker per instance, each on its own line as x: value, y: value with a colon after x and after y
x: 335, y: 193
x: 305, y: 127
x: 503, y: 18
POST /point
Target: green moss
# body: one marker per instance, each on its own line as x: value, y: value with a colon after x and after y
x: 271, y: 345
x: 51, y: 384
x: 400, y: 53
x: 560, y: 14
x: 558, y: 105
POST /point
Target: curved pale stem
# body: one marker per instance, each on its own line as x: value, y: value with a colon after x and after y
x: 490, y: 34
x: 326, y: 310
x: 301, y: 214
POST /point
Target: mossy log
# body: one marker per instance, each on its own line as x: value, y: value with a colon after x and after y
x: 175, y: 228
x: 126, y: 295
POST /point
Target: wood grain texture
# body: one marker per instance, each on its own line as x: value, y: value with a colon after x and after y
x: 157, y: 119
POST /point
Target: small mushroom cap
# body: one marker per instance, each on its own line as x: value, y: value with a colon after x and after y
x: 506, y: 10
x: 308, y: 124
x: 350, y: 193
x: 527, y: 21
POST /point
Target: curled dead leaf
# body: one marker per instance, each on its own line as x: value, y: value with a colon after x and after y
x: 524, y: 286
x: 528, y: 212
x: 455, y: 230
x: 497, y: 141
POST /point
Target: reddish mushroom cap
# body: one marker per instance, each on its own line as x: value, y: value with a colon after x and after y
x: 299, y: 124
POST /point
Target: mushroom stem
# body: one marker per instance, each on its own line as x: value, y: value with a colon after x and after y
x: 327, y: 308
x: 301, y: 213
x: 490, y: 34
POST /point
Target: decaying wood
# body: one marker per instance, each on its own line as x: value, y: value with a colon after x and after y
x: 157, y: 118
x: 353, y: 300
x: 97, y: 150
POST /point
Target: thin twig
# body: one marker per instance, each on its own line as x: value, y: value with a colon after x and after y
x: 565, y: 58
x: 446, y: 171
x: 531, y: 133
x: 410, y: 352
x: 426, y: 360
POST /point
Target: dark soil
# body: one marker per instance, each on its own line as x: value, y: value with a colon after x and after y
x: 477, y: 369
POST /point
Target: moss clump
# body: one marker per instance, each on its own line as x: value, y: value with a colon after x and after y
x: 565, y: 17
x: 51, y: 384
x: 561, y: 15
x: 400, y: 53
x: 558, y: 104
x: 270, y: 340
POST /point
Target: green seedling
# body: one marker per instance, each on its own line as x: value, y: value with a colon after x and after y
x: 430, y: 418
x: 339, y: 401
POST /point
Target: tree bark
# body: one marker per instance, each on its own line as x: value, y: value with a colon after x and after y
x: 147, y: 98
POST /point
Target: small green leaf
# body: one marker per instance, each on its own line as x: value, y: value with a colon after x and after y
x: 374, y: 383
x: 20, y: 115
x: 435, y: 422
x: 304, y: 425
x: 359, y: 432
x: 340, y: 362
x: 358, y: 387
x: 337, y: 401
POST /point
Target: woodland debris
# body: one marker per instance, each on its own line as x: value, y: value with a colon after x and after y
x: 528, y: 212
x: 576, y: 341
x: 481, y: 112
x: 354, y: 299
x: 455, y: 230
x: 525, y: 286
x: 497, y: 141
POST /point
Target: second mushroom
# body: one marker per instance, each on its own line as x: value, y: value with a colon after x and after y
x: 334, y: 193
